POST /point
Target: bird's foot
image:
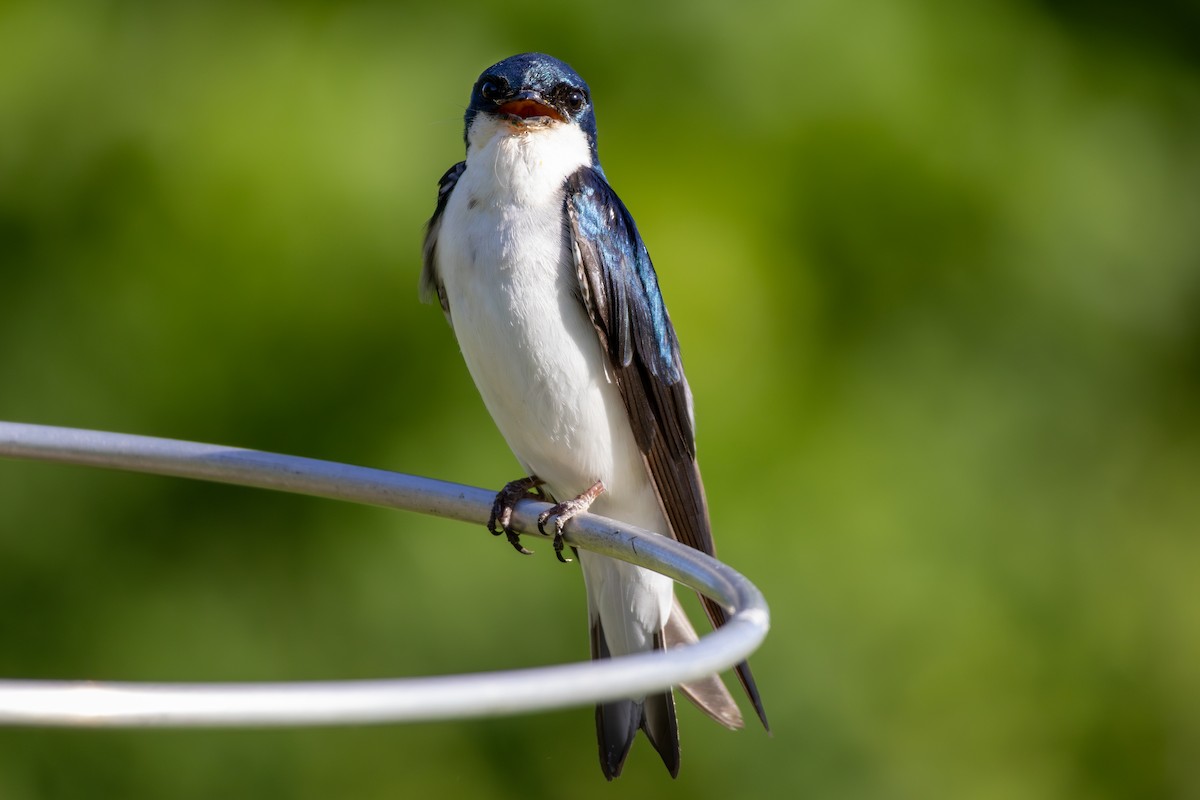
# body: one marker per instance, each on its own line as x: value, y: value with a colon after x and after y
x: 564, y: 512
x: 500, y: 520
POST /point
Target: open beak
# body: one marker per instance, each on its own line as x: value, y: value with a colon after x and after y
x: 529, y: 106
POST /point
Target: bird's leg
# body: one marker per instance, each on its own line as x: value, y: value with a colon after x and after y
x: 563, y: 512
x: 502, y: 508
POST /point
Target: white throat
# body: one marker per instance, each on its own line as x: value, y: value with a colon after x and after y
x: 527, y: 162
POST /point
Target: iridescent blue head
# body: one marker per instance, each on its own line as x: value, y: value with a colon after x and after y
x: 534, y: 87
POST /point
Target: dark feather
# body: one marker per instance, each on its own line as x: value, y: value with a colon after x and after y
x: 431, y: 283
x: 620, y: 289
x: 618, y: 721
x: 658, y: 721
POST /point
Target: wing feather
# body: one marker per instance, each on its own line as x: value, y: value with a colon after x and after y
x: 431, y: 283
x: 620, y: 289
x: 621, y: 293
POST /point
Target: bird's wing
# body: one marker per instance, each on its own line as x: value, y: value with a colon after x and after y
x: 431, y: 284
x: 620, y: 291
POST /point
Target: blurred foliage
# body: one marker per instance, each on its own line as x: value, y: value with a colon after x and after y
x: 936, y: 271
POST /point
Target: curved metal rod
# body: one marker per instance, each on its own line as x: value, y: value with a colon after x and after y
x: 128, y: 705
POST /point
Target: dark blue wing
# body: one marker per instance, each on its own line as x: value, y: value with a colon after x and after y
x: 620, y: 291
x: 431, y: 284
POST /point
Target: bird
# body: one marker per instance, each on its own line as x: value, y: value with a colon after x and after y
x: 549, y: 289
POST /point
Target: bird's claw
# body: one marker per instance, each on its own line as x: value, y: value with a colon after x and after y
x: 500, y: 520
x: 515, y: 540
x: 561, y: 515
x: 564, y: 512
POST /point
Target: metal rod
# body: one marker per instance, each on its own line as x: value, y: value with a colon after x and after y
x: 118, y: 704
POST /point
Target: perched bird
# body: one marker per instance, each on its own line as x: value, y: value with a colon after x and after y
x: 545, y: 280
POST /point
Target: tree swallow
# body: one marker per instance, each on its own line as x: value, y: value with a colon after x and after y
x: 545, y: 280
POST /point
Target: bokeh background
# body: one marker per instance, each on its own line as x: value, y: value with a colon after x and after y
x: 936, y: 271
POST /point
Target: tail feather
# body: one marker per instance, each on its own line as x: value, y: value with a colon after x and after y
x: 709, y: 693
x: 718, y: 617
x: 616, y: 725
x: 618, y: 721
x: 658, y: 721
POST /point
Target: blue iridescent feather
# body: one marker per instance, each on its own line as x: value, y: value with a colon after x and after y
x: 607, y: 231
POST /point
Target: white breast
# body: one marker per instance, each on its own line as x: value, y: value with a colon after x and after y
x: 505, y: 261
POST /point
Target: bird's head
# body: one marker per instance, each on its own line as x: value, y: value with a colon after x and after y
x: 528, y: 92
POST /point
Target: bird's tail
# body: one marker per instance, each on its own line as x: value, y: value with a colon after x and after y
x: 618, y: 721
x: 707, y: 694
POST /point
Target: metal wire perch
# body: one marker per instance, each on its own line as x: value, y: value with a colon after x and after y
x: 129, y: 705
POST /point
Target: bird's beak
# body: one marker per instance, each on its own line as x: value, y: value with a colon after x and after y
x: 529, y: 106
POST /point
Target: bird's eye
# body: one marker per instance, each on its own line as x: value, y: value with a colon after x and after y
x: 490, y: 90
x: 574, y: 100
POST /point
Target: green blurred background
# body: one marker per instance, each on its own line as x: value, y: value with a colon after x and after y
x: 936, y: 271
